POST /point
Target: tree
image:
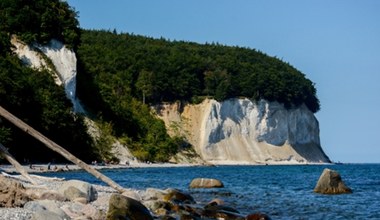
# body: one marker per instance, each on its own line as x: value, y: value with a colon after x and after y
x: 145, y: 84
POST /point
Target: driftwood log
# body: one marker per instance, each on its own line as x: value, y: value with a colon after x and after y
x: 4, y: 152
x: 55, y: 147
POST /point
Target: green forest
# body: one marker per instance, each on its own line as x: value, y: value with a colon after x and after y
x: 120, y: 76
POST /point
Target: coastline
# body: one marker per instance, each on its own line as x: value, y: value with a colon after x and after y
x: 43, y: 168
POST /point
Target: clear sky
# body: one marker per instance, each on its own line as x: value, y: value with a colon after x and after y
x: 336, y: 43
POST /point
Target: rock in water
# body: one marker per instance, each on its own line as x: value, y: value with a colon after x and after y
x: 121, y: 207
x: 330, y: 182
x: 12, y: 193
x: 206, y: 183
x: 257, y: 216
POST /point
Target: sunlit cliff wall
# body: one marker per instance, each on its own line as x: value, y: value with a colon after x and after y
x: 239, y: 131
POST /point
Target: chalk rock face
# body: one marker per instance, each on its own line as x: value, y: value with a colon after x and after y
x: 239, y: 131
x: 330, y: 182
x: 63, y: 59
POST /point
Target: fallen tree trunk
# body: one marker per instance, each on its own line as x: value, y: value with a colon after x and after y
x: 44, y: 178
x: 4, y: 152
x: 55, y: 147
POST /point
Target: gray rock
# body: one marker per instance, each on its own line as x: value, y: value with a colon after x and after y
x: 46, y: 207
x: 74, y: 189
x: 206, y: 183
x: 132, y: 194
x: 121, y: 207
x: 80, y: 211
x: 48, y: 215
x: 52, y: 195
x: 330, y: 182
x: 12, y: 193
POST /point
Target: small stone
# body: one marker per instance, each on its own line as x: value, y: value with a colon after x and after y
x: 257, y: 216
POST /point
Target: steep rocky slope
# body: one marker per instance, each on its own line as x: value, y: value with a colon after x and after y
x: 239, y: 131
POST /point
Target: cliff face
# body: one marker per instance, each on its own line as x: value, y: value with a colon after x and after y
x: 64, y: 63
x: 238, y: 131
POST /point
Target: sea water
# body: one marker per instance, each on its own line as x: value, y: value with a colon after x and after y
x: 282, y: 192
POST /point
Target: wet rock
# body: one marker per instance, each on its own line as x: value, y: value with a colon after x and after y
x: 74, y: 189
x: 121, y: 207
x: 221, y: 212
x: 215, y: 202
x: 155, y: 205
x: 330, y: 182
x: 206, y: 183
x: 176, y: 196
x: 257, y: 216
x: 12, y: 193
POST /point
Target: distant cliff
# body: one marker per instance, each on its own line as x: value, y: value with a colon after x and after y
x: 239, y: 131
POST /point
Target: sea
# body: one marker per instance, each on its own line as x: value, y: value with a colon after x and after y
x: 280, y: 191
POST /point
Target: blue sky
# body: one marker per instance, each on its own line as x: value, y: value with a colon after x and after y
x: 336, y: 43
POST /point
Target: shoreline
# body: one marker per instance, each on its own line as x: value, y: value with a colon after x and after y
x: 43, y: 168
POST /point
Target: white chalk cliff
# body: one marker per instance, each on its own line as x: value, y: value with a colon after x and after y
x: 239, y: 131
x: 235, y: 131
x: 64, y: 64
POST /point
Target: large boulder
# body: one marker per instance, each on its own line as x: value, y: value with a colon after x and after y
x: 76, y: 190
x: 330, y: 182
x: 46, y: 209
x: 206, y: 183
x: 121, y: 207
x: 12, y: 193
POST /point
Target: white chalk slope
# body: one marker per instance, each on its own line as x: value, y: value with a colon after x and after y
x: 239, y: 131
x: 63, y: 60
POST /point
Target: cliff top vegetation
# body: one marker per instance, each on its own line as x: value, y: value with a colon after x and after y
x: 156, y: 70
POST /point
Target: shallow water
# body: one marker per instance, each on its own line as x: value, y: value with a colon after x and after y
x: 282, y: 192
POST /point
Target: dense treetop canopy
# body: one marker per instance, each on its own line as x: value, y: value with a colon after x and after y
x: 39, y: 21
x: 157, y: 70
